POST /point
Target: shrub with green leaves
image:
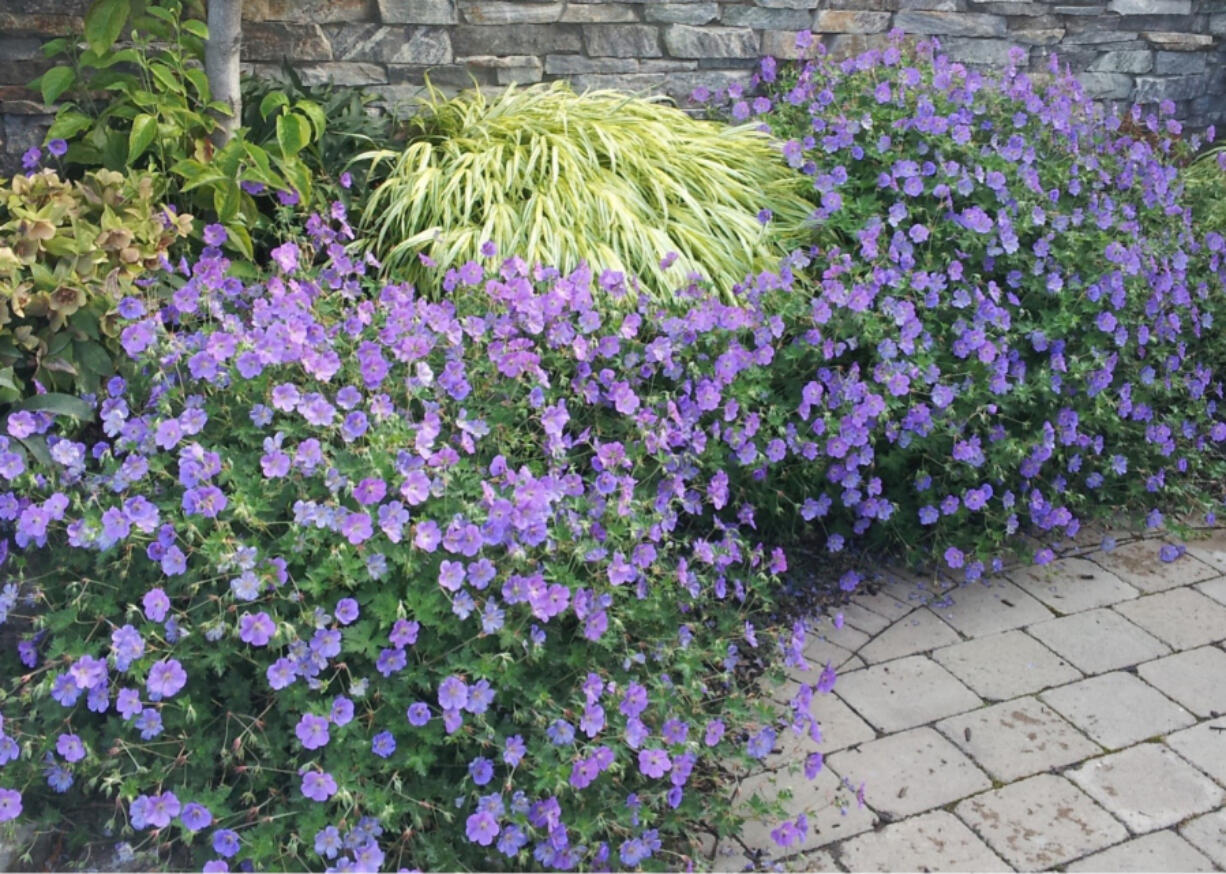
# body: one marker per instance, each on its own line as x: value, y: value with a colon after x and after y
x: 145, y: 103
x: 69, y: 251
x: 602, y: 177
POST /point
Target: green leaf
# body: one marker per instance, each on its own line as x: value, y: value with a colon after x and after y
x: 59, y: 404
x: 272, y: 101
x: 167, y: 79
x: 196, y: 28
x: 104, y: 22
x: 293, y: 133
x: 313, y: 111
x: 93, y: 358
x: 144, y: 129
x: 55, y: 82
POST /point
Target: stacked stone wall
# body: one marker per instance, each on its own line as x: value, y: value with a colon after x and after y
x: 1123, y: 50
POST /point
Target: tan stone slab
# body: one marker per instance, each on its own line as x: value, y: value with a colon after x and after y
x: 1117, y: 709
x: 1071, y: 585
x: 1017, y: 738
x: 1196, y: 679
x: 1215, y: 589
x: 1138, y: 565
x: 1203, y: 745
x: 936, y: 841
x: 863, y: 619
x: 1098, y: 641
x: 920, y: 631
x: 910, y: 772
x: 996, y: 605
x: 1005, y: 666
x: 1208, y: 834
x: 1183, y: 618
x: 904, y: 693
x: 1211, y: 550
x: 891, y: 602
x: 831, y: 808
x: 1147, y: 787
x: 1040, y: 822
x: 1157, y: 851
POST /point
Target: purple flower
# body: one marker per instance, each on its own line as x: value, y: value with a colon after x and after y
x: 256, y: 629
x: 219, y: 866
x: 166, y: 677
x: 286, y: 257
x: 654, y: 762
x: 452, y: 693
x: 312, y: 731
x: 161, y: 809
x: 70, y: 747
x: 418, y: 713
x: 346, y: 611
x: 195, y: 816
x: 57, y: 147
x: 10, y: 804
x: 318, y: 785
x: 156, y: 604
x: 481, y: 770
x: 225, y: 842
x: 383, y: 744
x: 215, y: 234
x: 481, y: 828
x: 342, y: 711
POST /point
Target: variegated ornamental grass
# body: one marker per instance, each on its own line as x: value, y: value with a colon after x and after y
x: 601, y: 177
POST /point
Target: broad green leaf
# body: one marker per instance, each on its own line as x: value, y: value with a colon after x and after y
x: 196, y: 28
x: 55, y: 82
x: 293, y: 133
x: 104, y: 22
x: 144, y: 129
x: 272, y: 101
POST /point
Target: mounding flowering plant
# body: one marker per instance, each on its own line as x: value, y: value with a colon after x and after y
x: 351, y: 579
x: 1014, y: 318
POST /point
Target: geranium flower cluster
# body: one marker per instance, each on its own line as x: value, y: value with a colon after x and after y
x: 469, y: 574
x: 1013, y: 324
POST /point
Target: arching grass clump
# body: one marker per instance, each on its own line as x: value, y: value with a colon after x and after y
x: 604, y: 177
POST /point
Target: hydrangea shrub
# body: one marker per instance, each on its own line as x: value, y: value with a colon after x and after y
x: 352, y: 579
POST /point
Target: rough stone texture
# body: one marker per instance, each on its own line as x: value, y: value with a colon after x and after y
x: 1134, y: 562
x: 936, y: 841
x: 1015, y: 739
x: 682, y: 13
x: 414, y: 11
x: 904, y: 693
x: 1203, y: 745
x: 622, y: 41
x: 1005, y: 666
x: 909, y: 772
x: 998, y: 605
x: 1208, y: 834
x: 1196, y: 679
x: 1117, y: 709
x: 1147, y: 787
x: 844, y: 21
x: 1074, y: 584
x: 685, y: 41
x: 1158, y: 851
x: 1183, y: 618
x: 1098, y: 641
x: 487, y: 12
x: 1041, y: 822
x: 951, y: 23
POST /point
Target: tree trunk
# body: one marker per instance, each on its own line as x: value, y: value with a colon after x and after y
x: 221, y: 59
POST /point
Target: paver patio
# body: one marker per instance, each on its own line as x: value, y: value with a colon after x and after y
x: 1070, y: 717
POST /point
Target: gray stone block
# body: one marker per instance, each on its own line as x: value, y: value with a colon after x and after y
x: 682, y: 13
x: 1117, y: 709
x: 929, y: 5
x: 781, y: 44
x: 570, y: 65
x: 604, y: 13
x: 1151, y: 7
x: 935, y: 841
x: 493, y: 12
x: 837, y: 21
x: 951, y: 23
x: 789, y: 4
x: 277, y: 40
x: 1122, y: 62
x: 415, y: 11
x: 349, y: 73
x: 622, y: 40
x: 382, y: 44
x: 765, y: 19
x: 307, y: 11
x: 1180, y: 63
x: 1158, y: 851
x: 523, y: 39
x: 1217, y: 24
x: 1179, y: 41
x: 1037, y: 36
x: 685, y: 41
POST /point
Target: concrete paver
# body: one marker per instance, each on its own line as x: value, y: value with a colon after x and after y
x: 1007, y: 665
x: 1072, y: 585
x: 1196, y: 679
x: 1040, y: 822
x: 936, y: 841
x: 1017, y: 738
x: 885, y: 602
x: 1138, y: 565
x: 1098, y: 640
x: 1211, y: 550
x: 910, y: 772
x: 840, y: 728
x: 1215, y: 589
x: 1117, y: 709
x: 1208, y: 834
x: 990, y: 607
x: 831, y: 810
x: 1203, y: 745
x: 863, y: 618
x: 904, y: 693
x: 1147, y: 787
x: 1156, y: 851
x: 920, y: 631
x: 1183, y: 618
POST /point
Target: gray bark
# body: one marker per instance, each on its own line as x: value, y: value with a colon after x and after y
x: 221, y: 59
